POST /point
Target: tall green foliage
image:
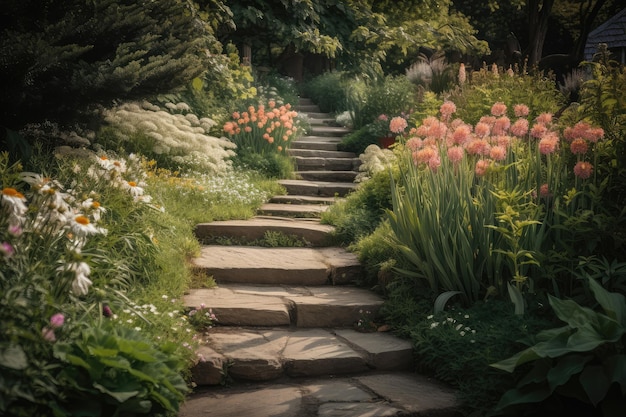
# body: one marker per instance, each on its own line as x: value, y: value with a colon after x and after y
x: 59, y: 58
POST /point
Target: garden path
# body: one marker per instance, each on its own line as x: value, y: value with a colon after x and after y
x: 288, y: 340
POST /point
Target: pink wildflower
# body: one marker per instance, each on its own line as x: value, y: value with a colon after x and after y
x: 549, y: 144
x: 434, y: 163
x: 398, y: 124
x: 497, y: 153
x: 57, y: 320
x: 521, y: 110
x: 544, y: 191
x: 490, y: 120
x: 579, y: 146
x: 6, y: 249
x: 478, y: 147
x: 414, y: 143
x: 455, y: 154
x: 498, y: 109
x: 461, y: 135
x: 503, y: 141
x: 424, y: 155
x: 383, y: 117
x: 520, y: 127
x: 583, y: 169
x: 482, y: 129
x: 538, y: 130
x: 438, y: 130
x: 544, y: 118
x: 48, y: 334
x: 481, y: 167
x: 446, y: 109
x: 501, y: 126
x: 594, y: 134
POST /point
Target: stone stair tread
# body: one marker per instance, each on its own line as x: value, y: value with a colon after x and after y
x: 316, y: 139
x: 312, y: 231
x: 319, y: 188
x: 329, y: 130
x: 273, y: 305
x: 294, y: 210
x: 327, y: 163
x: 303, y: 199
x: 287, y: 266
x: 321, y: 153
x: 327, y: 175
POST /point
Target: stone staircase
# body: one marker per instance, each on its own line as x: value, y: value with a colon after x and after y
x: 290, y: 337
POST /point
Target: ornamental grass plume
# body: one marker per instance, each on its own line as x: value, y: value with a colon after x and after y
x: 263, y: 129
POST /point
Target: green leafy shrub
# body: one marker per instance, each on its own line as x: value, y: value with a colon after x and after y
x: 329, y: 91
x: 583, y: 361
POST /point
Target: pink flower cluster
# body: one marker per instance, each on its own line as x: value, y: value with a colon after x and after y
x: 490, y: 140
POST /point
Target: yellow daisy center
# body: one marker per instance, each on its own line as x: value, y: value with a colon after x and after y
x: 82, y: 220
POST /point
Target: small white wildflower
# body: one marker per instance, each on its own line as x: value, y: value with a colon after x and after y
x: 462, y: 333
x: 467, y: 316
x: 138, y: 328
x: 433, y: 325
x: 430, y: 317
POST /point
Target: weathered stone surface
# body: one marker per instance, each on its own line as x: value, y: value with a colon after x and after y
x: 254, y: 354
x: 323, y: 188
x: 327, y: 163
x: 357, y: 410
x: 251, y: 229
x: 329, y: 131
x: 240, y: 309
x: 335, y: 306
x: 327, y: 175
x: 250, y: 264
x: 320, y: 153
x: 277, y: 401
x: 303, y: 199
x: 317, y: 352
x: 384, y: 351
x: 293, y: 210
x: 335, y: 391
x: 208, y: 371
x: 414, y: 393
x: 345, y: 267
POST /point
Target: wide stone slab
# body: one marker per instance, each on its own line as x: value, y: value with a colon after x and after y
x: 237, y: 308
x: 303, y: 199
x: 320, y: 163
x: 326, y: 175
x: 312, y: 232
x: 343, y: 409
x: 317, y: 352
x: 276, y: 401
x: 329, y: 131
x: 320, y: 153
x: 384, y: 351
x: 335, y: 306
x: 414, y: 393
x: 293, y: 210
x: 283, y: 266
x: 323, y: 188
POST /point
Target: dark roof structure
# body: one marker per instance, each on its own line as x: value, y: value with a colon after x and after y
x: 613, y: 33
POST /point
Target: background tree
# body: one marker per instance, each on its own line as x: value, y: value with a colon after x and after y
x: 59, y: 58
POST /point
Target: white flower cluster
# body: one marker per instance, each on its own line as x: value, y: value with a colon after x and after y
x: 452, y: 323
x: 59, y: 216
x: 182, y: 137
x: 345, y: 119
x: 374, y: 160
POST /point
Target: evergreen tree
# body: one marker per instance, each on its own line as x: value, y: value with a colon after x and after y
x: 59, y: 58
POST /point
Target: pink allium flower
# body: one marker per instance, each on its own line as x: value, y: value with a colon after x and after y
x: 481, y: 167
x: 48, y: 334
x: 501, y: 126
x: 521, y: 110
x: 424, y: 155
x: 57, y: 320
x: 455, y: 154
x: 549, y: 144
x: 446, y: 109
x: 461, y: 135
x: 398, y: 124
x: 490, y: 120
x: 544, y: 118
x: 434, y: 163
x: 579, y: 146
x: 6, y: 249
x: 438, y: 130
x: 497, y: 153
x: 414, y: 144
x: 383, y: 117
x: 498, y: 109
x: 594, y: 134
x: 538, y: 130
x: 482, y: 129
x: 503, y: 141
x: 544, y: 191
x: 583, y: 170
x: 478, y: 147
x: 520, y: 127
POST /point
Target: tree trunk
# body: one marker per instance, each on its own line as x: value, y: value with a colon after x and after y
x: 588, y: 15
x: 538, y: 14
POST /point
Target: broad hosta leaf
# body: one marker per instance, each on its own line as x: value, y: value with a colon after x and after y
x: 565, y: 368
x: 595, y: 382
x: 614, y: 304
x: 616, y: 369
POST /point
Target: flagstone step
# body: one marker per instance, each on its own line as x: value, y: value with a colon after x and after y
x: 297, y: 306
x: 263, y: 354
x: 322, y: 146
x: 324, y: 163
x: 320, y: 115
x: 278, y: 266
x: 329, y: 131
x: 304, y: 100
x: 375, y: 395
x: 303, y: 199
x: 313, y: 232
x: 329, y: 176
x: 322, y: 121
x: 292, y: 210
x: 313, y: 138
x: 306, y: 108
x: 318, y: 188
x: 322, y: 153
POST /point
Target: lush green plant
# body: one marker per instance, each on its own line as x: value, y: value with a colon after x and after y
x: 432, y: 73
x: 329, y: 91
x: 584, y: 360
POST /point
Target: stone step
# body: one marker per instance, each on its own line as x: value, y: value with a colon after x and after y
x: 309, y: 145
x: 374, y: 395
x: 307, y: 108
x: 339, y: 131
x: 264, y: 354
x: 316, y: 115
x: 329, y: 176
x: 318, y: 188
x: 296, y: 306
x: 305, y: 163
x: 313, y: 138
x: 303, y: 199
x: 292, y: 210
x: 304, y: 100
x: 322, y: 153
x: 314, y: 233
x: 278, y: 266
